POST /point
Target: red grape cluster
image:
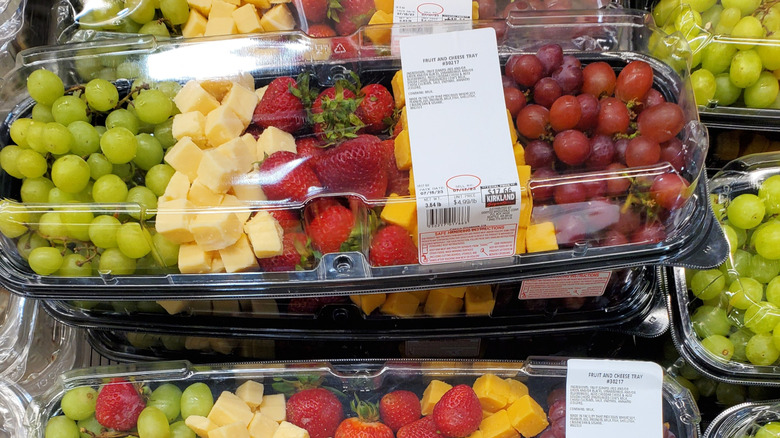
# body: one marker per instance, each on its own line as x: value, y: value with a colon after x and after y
x: 577, y: 119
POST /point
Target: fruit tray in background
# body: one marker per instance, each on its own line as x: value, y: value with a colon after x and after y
x: 13, y: 403
x: 759, y: 419
x: 625, y: 229
x: 735, y: 50
x: 17, y: 316
x: 729, y: 144
x: 630, y: 302
x: 528, y: 386
x: 12, y: 14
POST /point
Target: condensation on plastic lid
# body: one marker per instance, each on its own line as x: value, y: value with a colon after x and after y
x: 13, y: 404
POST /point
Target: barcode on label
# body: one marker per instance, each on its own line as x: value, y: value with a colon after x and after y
x: 438, y: 217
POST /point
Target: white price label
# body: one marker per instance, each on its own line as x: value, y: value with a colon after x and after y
x: 415, y: 11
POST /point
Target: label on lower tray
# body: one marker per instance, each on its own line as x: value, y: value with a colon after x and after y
x: 466, y: 182
x: 613, y: 398
x: 589, y: 284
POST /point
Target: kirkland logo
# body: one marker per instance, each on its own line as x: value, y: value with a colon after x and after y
x: 499, y: 199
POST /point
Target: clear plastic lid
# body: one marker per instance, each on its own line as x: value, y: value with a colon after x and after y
x: 13, y: 404
x: 747, y: 419
x: 729, y: 144
x: 17, y: 317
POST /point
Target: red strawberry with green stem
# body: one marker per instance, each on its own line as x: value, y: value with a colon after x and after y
x: 397, y: 180
x: 392, y: 246
x: 320, y: 30
x: 280, y: 107
x: 314, y: 10
x: 290, y: 220
x: 309, y: 147
x: 458, y: 413
x: 365, y: 425
x: 376, y: 108
x: 399, y: 408
x: 118, y: 405
x: 357, y: 166
x: 333, y: 111
x: 425, y: 427
x: 317, y: 410
x: 352, y: 15
x: 295, y: 254
x: 329, y: 224
x: 285, y: 175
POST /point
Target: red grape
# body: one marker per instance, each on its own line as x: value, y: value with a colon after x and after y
x: 570, y: 229
x: 642, y: 151
x: 508, y: 81
x: 652, y: 98
x: 672, y: 152
x: 565, y: 112
x: 541, y: 184
x: 627, y: 222
x: 572, y: 61
x: 650, y: 233
x: 570, y: 193
x: 487, y: 9
x: 572, y: 147
x: 546, y: 91
x: 589, y: 110
x: 668, y: 190
x: 598, y: 79
x: 569, y: 77
x: 612, y: 238
x: 620, y: 150
x: 617, y: 185
x: 661, y: 122
x: 557, y: 410
x: 558, y: 428
x: 532, y: 121
x: 527, y: 69
x: 514, y: 100
x: 539, y: 153
x: 613, y: 117
x: 551, y: 56
x: 596, y: 188
x: 634, y: 81
x: 602, y: 151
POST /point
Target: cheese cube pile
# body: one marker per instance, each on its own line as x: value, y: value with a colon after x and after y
x: 247, y: 413
x: 205, y: 206
x: 474, y: 300
x: 227, y: 17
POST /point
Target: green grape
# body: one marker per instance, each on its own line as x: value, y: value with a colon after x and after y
x: 744, y: 292
x: 687, y: 384
x: 769, y: 52
x: 701, y: 5
x: 18, y: 131
x: 721, y: 300
x: 13, y: 219
x: 98, y: 166
x: 114, y: 262
x: 101, y: 130
x: 169, y: 88
x: 29, y: 242
x: 141, y: 11
x: 708, y: 284
x: 156, y: 28
x: 89, y: 66
x: 133, y: 240
x: 706, y: 387
x: 748, y: 28
x: 176, y: 11
x: 732, y: 238
x: 109, y: 188
x: 709, y: 321
x: 167, y: 251
x: 726, y: 93
x: 149, y: 152
x: 728, y: 19
x: 57, y: 196
x: 769, y: 192
x: 157, y: 178
x: 77, y: 220
x: 141, y: 340
x: 716, y: 57
x: 769, y: 430
x: 145, y: 198
x: 746, y: 7
x: 166, y: 398
x: 664, y: 10
x: 696, y: 50
x: 767, y: 239
x: 773, y: 291
x: 45, y: 260
x: 57, y: 139
x: 9, y: 156
x: 704, y: 86
x: 124, y: 118
x: 144, y: 127
x: 746, y: 211
x: 718, y: 345
x: 31, y: 164
x: 745, y: 68
x: 35, y: 137
x: 104, y: 15
x: 153, y: 424
x: 181, y: 430
x: 124, y: 171
x: 729, y: 394
x: 119, y: 145
x: 688, y: 22
x: 173, y: 343
x: 61, y: 427
x: 771, y: 20
x: 740, y: 339
x: 153, y: 106
x: 690, y: 373
x: 52, y: 227
x: 79, y: 403
x: 763, y: 93
x: 776, y: 336
x: 102, y: 231
x: 741, y: 236
x: 711, y: 16
x: 90, y: 425
x: 75, y: 265
x: 128, y: 70
x: 762, y: 317
x: 196, y: 399
x: 763, y: 270
x: 164, y: 134
x: 761, y: 350
x: 42, y: 113
x: 70, y: 173
x: 101, y: 95
x: 44, y: 86
x: 68, y: 109
x: 85, y: 138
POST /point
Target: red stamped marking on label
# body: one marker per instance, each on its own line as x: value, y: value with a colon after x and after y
x: 590, y: 284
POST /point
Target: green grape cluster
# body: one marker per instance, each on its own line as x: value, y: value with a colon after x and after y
x: 738, y: 313
x: 161, y: 18
x: 88, y: 146
x: 736, y: 48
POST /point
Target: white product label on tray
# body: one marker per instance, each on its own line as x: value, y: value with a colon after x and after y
x: 466, y: 183
x: 613, y: 398
x: 590, y: 284
x: 415, y: 11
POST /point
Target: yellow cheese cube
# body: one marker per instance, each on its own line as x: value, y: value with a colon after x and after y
x: 441, y: 303
x: 384, y: 5
x: 397, y: 84
x: 235, y: 3
x: 289, y: 430
x: 479, y: 300
x: 273, y: 407
x: 221, y: 9
x: 196, y: 22
x: 259, y: 4
x: 237, y: 207
x: 239, y: 256
x: 457, y: 292
x: 229, y: 409
x: 519, y: 153
x: 216, y: 171
x: 517, y: 389
x: 217, y: 87
x: 411, y: 188
x: 203, y: 196
x: 512, y: 130
x: 432, y: 394
x: 527, y: 417
x: 520, y: 242
x: 477, y: 433
x: 541, y: 237
x: 401, y: 211
x: 173, y: 220
x: 403, y: 151
x: 475, y: 10
x: 202, y: 7
x: 247, y: 21
x: 193, y: 259
x: 265, y: 235
x: 369, y: 303
x: 273, y: 140
x: 222, y: 125
x: 403, y: 120
x: 262, y: 427
x: 192, y: 97
x: 277, y: 18
x: 232, y: 430
x: 220, y: 26
x: 421, y: 295
x: 251, y: 393
x: 526, y: 208
x: 217, y: 265
x: 174, y: 306
x: 241, y: 100
x: 400, y: 304
x: 381, y: 35
x: 177, y: 188
x: 492, y: 391
x: 185, y: 157
x: 200, y: 425
x: 247, y: 188
x: 239, y: 153
x: 498, y: 426
x: 214, y: 230
x: 524, y: 175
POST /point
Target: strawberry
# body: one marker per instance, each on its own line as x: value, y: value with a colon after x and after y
x: 284, y: 175
x: 313, y: 305
x: 309, y: 147
x: 320, y: 30
x: 118, y: 405
x: 397, y: 180
x: 279, y: 107
x: 328, y: 224
x: 425, y: 427
x: 353, y: 14
x: 317, y: 410
x: 391, y: 246
x: 458, y: 413
x: 290, y: 220
x: 295, y: 253
x: 399, y: 408
x: 365, y: 425
x: 314, y: 10
x: 358, y: 166
x: 375, y: 109
x: 343, y: 48
x: 333, y: 112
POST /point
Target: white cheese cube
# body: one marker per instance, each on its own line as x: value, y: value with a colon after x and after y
x: 216, y: 171
x: 273, y: 140
x: 289, y: 430
x: 265, y: 235
x: 200, y: 425
x: 247, y: 19
x: 228, y: 409
x: 215, y: 230
x: 190, y: 124
x: 185, y: 157
x: 273, y: 407
x: 262, y: 426
x: 196, y: 22
x: 247, y: 187
x: 173, y: 221
x: 203, y: 196
x: 221, y: 9
x: 238, y: 207
x: 220, y: 26
x: 239, y: 99
x: 251, y: 392
x: 238, y: 151
x: 259, y: 4
x: 174, y: 306
x: 193, y: 259
x: 177, y: 188
x: 217, y: 265
x: 239, y: 256
x: 260, y: 92
x: 232, y: 430
x: 192, y: 97
x: 222, y: 125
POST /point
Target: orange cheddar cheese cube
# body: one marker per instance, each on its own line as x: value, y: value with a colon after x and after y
x: 492, y: 391
x: 369, y: 303
x: 401, y: 211
x: 512, y: 130
x: 381, y: 35
x: 479, y: 300
x: 384, y: 5
x: 442, y: 303
x: 517, y: 389
x: 520, y: 242
x: 519, y: 154
x: 432, y: 394
x: 403, y: 151
x: 541, y: 237
x: 397, y: 84
x: 400, y: 304
x: 498, y: 426
x: 527, y: 417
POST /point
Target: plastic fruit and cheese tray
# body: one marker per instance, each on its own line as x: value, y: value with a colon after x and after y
x: 262, y: 171
x: 747, y: 419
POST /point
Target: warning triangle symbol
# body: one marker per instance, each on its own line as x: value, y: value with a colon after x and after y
x: 340, y: 48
